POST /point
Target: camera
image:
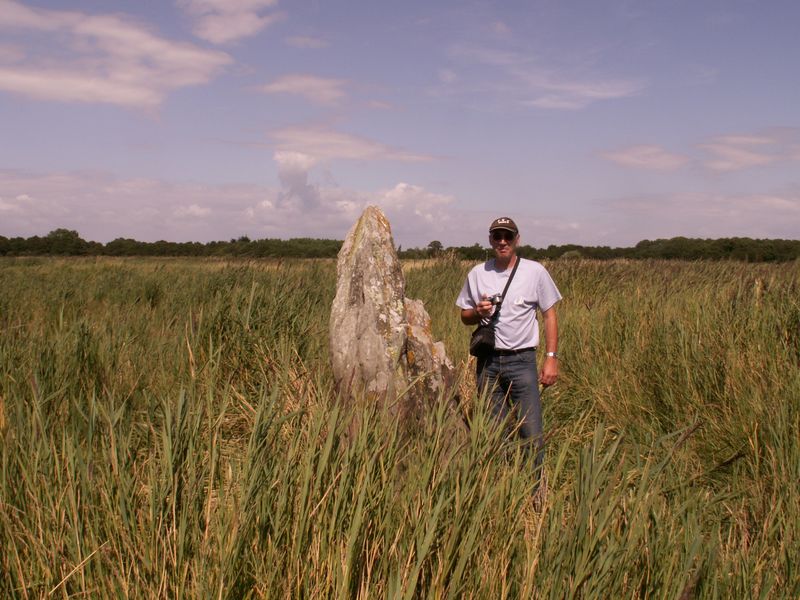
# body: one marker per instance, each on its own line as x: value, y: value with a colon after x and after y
x: 495, y: 300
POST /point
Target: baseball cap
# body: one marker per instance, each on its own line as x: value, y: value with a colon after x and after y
x: 503, y: 223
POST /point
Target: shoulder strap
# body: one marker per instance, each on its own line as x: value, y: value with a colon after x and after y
x: 505, y: 289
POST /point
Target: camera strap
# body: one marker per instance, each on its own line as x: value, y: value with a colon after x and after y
x: 505, y: 289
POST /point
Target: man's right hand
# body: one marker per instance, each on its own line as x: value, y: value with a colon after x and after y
x: 473, y: 316
x: 484, y: 308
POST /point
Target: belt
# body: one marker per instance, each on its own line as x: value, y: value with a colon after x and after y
x: 506, y: 352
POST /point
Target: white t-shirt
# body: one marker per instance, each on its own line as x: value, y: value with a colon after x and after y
x: 532, y: 288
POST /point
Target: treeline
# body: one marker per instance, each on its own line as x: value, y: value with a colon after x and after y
x: 743, y: 249
x: 66, y: 242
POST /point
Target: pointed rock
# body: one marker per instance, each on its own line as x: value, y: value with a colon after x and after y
x: 380, y: 341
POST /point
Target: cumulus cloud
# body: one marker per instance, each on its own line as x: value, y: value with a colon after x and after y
x: 102, y: 207
x: 223, y: 21
x: 324, y: 143
x: 78, y: 57
x: 293, y: 173
x: 318, y: 90
x: 647, y: 156
x: 408, y: 197
x: 417, y: 215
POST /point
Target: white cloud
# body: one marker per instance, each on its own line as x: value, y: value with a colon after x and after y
x: 319, y: 90
x: 102, y: 207
x: 732, y: 152
x: 746, y: 140
x: 222, y: 21
x: 326, y: 144
x: 707, y: 215
x: 293, y: 171
x: 518, y: 78
x: 736, y: 152
x: 558, y: 92
x: 405, y: 196
x: 417, y: 215
x: 78, y: 57
x: 647, y: 156
x: 193, y: 210
x: 294, y: 161
x: 8, y: 206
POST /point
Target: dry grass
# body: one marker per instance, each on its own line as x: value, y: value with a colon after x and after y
x: 169, y: 428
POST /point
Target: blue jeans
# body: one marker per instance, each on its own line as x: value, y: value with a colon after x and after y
x: 514, y: 383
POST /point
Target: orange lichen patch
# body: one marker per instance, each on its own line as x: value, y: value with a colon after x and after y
x: 410, y: 357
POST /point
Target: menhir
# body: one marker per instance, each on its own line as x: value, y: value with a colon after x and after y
x: 381, y: 343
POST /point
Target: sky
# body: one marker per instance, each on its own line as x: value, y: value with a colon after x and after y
x: 600, y: 122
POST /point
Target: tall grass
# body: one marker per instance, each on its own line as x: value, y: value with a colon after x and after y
x: 169, y: 428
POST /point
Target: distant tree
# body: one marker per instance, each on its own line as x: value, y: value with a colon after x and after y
x: 435, y: 248
x: 474, y: 252
x: 65, y: 241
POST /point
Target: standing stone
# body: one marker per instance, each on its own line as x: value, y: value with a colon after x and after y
x: 380, y: 341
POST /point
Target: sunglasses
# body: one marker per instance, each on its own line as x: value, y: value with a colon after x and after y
x: 503, y: 235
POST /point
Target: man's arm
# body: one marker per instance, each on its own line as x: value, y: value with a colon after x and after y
x: 549, y: 372
x: 469, y: 316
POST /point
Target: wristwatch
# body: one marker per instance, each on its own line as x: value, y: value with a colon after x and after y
x: 552, y: 354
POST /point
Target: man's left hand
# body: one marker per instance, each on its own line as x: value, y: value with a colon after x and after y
x: 549, y: 372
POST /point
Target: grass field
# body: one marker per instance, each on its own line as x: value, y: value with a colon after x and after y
x: 169, y: 428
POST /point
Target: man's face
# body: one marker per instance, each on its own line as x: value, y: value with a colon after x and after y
x: 503, y: 242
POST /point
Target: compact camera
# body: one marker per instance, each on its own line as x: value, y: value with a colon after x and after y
x: 495, y: 300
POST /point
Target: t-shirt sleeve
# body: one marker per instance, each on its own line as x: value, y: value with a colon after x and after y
x: 464, y: 299
x: 547, y: 291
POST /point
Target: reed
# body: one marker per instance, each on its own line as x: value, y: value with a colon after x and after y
x: 170, y: 428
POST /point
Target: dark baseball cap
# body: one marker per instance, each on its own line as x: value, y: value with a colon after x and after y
x: 504, y: 223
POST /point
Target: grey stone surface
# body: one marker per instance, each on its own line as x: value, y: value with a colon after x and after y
x: 428, y: 369
x: 380, y: 341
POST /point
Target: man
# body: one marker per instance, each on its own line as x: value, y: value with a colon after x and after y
x: 510, y: 371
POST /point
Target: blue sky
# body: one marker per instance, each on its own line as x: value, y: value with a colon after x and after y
x: 600, y: 123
